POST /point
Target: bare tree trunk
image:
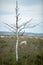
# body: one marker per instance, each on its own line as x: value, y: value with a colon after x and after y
x: 17, y: 50
x: 17, y: 30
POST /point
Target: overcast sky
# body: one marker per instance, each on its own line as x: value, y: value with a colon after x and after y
x: 27, y: 8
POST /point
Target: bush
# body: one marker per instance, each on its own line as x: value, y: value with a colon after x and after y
x: 39, y: 60
x: 18, y: 62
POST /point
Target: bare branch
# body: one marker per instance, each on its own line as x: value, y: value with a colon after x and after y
x: 11, y: 30
x: 22, y: 33
x: 21, y: 29
x: 19, y: 19
x: 25, y: 23
x: 29, y: 27
x: 9, y: 26
x: 33, y: 25
x: 13, y: 25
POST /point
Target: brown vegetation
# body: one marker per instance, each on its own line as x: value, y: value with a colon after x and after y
x: 29, y: 54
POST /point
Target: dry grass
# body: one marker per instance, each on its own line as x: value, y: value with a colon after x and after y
x: 27, y: 53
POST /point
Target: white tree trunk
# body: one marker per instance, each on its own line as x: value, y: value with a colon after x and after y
x: 17, y: 50
x: 17, y: 30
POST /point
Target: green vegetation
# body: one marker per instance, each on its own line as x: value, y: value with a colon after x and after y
x: 30, y: 54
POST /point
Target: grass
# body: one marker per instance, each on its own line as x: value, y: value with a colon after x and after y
x: 30, y: 54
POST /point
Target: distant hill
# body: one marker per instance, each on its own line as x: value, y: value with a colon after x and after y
x: 26, y: 33
x: 6, y: 33
x: 34, y: 34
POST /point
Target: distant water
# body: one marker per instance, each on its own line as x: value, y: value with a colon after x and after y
x: 29, y: 34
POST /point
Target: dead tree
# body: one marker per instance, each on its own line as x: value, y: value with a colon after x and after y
x: 18, y: 29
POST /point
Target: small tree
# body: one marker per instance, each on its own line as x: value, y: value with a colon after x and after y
x: 18, y: 29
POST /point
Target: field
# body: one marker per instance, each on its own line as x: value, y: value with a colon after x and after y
x: 29, y: 54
